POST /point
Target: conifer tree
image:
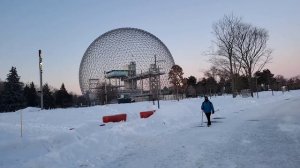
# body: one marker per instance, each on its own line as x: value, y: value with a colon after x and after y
x: 48, y: 97
x: 12, y: 97
x: 1, y: 92
x: 30, y: 95
x: 26, y: 92
x: 62, y: 97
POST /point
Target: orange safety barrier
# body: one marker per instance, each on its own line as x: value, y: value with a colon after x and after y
x: 114, y: 118
x: 146, y: 114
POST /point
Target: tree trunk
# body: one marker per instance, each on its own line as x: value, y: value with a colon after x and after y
x: 177, y: 93
x: 232, y: 77
x: 250, y: 81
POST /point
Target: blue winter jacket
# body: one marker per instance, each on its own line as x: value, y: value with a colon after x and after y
x: 207, y: 107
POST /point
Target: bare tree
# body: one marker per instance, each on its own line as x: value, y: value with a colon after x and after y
x: 241, y: 48
x: 222, y: 66
x: 251, y: 49
x: 212, y: 72
x: 176, y: 78
x: 225, y: 33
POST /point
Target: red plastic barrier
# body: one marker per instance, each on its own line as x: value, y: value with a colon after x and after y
x: 146, y: 114
x: 114, y: 118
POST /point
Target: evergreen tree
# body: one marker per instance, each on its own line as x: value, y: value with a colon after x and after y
x: 1, y: 92
x: 211, y: 86
x: 266, y: 78
x: 221, y: 85
x: 241, y: 82
x: 62, y: 97
x: 192, y: 81
x: 12, y: 97
x: 280, y: 81
x: 82, y: 100
x: 26, y: 92
x: 202, y: 87
x: 294, y: 83
x: 30, y: 95
x: 1, y: 86
x: 190, y: 91
x: 1, y: 103
x: 48, y: 97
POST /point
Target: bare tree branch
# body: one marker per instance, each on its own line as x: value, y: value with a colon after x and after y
x: 251, y: 49
x: 225, y: 33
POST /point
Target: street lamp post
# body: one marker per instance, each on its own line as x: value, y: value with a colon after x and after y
x: 41, y: 78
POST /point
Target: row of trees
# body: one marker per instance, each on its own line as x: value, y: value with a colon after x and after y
x: 14, y: 95
x: 190, y: 87
x: 215, y: 82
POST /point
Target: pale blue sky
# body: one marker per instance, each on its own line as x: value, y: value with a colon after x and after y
x: 63, y: 29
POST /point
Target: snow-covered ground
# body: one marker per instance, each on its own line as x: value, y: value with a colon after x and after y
x: 246, y: 132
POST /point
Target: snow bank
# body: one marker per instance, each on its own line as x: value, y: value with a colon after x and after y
x: 73, y: 137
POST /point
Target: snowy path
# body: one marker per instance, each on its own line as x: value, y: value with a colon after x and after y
x: 268, y: 140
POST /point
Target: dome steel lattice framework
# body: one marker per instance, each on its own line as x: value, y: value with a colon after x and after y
x: 114, y: 50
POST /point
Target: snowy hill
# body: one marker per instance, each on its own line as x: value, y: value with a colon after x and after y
x: 246, y: 132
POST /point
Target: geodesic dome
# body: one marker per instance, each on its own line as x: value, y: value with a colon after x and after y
x: 115, y: 49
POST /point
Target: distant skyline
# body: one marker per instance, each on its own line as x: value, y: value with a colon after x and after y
x: 63, y: 29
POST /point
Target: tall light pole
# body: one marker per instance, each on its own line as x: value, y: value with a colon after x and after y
x: 41, y: 78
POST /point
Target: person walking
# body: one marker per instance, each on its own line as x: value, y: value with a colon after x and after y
x: 208, y: 108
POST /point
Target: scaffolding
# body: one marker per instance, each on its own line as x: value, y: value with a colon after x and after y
x: 92, y: 92
x: 127, y: 81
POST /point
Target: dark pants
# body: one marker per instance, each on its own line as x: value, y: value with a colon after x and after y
x: 208, y: 118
